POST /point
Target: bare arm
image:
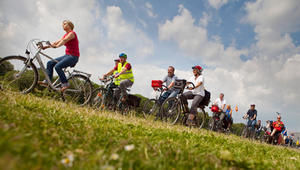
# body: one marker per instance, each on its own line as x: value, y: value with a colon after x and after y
x: 109, y: 73
x: 123, y: 71
x: 171, y: 85
x: 63, y: 41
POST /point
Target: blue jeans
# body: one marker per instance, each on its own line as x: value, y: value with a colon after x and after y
x: 251, y: 123
x: 167, y: 94
x: 63, y: 62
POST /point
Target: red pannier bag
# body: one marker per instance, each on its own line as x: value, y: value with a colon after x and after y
x: 156, y: 83
x: 214, y: 108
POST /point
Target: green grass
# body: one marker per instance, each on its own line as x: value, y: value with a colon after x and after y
x: 37, y: 133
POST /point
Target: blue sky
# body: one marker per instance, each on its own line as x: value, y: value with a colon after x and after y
x: 249, y: 49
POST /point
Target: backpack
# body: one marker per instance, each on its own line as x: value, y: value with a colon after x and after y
x: 206, y: 100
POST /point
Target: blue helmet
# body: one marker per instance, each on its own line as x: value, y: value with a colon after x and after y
x: 123, y: 55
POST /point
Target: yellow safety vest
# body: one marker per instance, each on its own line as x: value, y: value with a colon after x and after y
x: 116, y: 80
x: 128, y: 73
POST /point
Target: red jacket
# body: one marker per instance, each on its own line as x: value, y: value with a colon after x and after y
x: 278, y: 125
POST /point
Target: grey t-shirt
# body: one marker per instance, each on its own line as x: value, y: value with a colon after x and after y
x: 168, y: 80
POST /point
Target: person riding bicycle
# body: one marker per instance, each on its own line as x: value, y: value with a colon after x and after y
x: 125, y: 76
x: 170, y: 91
x: 228, y: 116
x: 116, y: 81
x: 113, y: 72
x: 71, y: 57
x: 196, y: 93
x: 251, y: 115
x: 221, y: 103
x: 278, y: 126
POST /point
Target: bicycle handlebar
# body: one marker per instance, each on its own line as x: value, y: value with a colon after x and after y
x: 190, y: 83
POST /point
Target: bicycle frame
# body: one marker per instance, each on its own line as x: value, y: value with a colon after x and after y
x: 37, y: 57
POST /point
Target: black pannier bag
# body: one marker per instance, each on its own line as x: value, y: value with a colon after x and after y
x: 180, y: 84
x: 133, y: 100
x: 206, y: 99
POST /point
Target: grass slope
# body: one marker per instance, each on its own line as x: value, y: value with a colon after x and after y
x: 37, y: 133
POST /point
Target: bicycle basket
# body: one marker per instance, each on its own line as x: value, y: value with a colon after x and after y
x: 215, y: 108
x: 156, y: 83
x: 180, y: 84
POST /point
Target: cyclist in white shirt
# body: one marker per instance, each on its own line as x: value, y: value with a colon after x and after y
x: 196, y: 93
x: 221, y: 103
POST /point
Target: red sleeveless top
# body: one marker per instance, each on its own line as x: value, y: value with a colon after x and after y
x: 72, y: 46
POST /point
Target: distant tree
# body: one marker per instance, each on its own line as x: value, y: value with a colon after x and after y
x: 5, y: 67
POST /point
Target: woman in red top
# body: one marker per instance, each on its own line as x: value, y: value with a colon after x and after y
x: 278, y: 125
x: 70, y: 40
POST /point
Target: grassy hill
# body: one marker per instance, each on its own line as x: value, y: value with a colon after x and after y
x: 39, y: 133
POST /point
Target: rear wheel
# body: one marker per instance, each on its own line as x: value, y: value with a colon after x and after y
x: 200, y: 118
x: 80, y: 90
x: 170, y: 110
x: 16, y: 75
x: 150, y: 109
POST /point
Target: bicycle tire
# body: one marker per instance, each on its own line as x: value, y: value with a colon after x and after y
x: 80, y: 90
x: 10, y: 66
x: 170, y: 110
x: 150, y: 108
x: 211, y: 124
x: 97, y: 98
x: 201, y: 118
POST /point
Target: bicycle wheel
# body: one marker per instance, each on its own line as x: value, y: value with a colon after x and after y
x: 80, y: 90
x: 245, y: 132
x: 97, y: 98
x: 200, y: 118
x: 170, y: 110
x: 211, y: 124
x: 16, y: 75
x: 150, y: 109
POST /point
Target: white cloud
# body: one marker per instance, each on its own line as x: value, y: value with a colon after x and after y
x: 205, y: 19
x: 217, y: 3
x: 194, y: 41
x: 150, y: 10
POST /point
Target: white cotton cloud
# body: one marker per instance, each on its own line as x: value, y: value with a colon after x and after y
x: 150, y: 10
x: 217, y: 3
x: 194, y: 41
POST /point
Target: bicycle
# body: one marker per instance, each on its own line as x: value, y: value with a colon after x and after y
x: 174, y: 111
x: 152, y: 106
x: 21, y: 74
x: 247, y: 131
x: 103, y: 96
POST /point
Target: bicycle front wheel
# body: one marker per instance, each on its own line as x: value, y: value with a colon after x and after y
x: 170, y: 110
x: 80, y: 90
x: 97, y: 98
x: 16, y: 75
x: 150, y: 109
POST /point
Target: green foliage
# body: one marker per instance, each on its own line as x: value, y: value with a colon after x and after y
x: 5, y: 67
x: 38, y: 133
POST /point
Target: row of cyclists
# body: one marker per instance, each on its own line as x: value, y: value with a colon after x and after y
x: 124, y: 79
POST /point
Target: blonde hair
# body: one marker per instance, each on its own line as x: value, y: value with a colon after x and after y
x: 70, y: 23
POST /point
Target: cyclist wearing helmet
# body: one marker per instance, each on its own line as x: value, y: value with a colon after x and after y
x: 124, y: 74
x: 170, y: 81
x: 196, y: 93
